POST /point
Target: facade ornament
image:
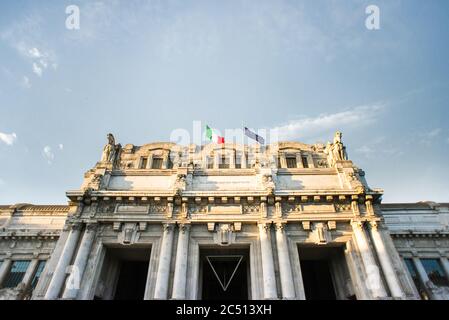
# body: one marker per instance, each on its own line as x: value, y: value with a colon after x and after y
x: 278, y: 208
x: 129, y: 234
x: 268, y: 183
x: 320, y: 233
x: 180, y: 184
x: 224, y: 233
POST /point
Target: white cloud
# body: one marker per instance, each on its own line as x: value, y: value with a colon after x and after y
x: 428, y: 137
x: 48, y: 154
x: 27, y: 38
x: 9, y: 139
x: 26, y: 82
x: 37, y: 69
x: 34, y: 52
x: 325, y: 123
x: 61, y: 146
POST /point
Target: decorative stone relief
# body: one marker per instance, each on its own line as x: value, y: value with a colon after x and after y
x: 342, y: 207
x: 158, y: 208
x: 180, y: 184
x: 267, y: 181
x: 251, y: 208
x: 319, y: 233
x: 129, y: 234
x: 291, y: 208
x: 106, y: 208
x: 224, y: 233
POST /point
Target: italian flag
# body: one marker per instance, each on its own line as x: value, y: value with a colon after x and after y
x: 212, y: 136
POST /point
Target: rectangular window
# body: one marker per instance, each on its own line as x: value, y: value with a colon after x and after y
x: 291, y: 162
x: 238, y: 160
x: 37, y: 275
x: 210, y: 163
x: 170, y: 162
x: 16, y: 273
x: 305, y: 162
x: 412, y: 270
x: 143, y: 162
x: 435, y: 272
x: 157, y: 163
x: 224, y: 163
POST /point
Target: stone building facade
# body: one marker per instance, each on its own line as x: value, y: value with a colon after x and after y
x: 284, y: 221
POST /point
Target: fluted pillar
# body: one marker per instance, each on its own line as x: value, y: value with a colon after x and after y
x: 180, y: 277
x: 373, y: 281
x: 445, y: 263
x: 269, y: 279
x: 285, y: 267
x: 387, y: 267
x: 422, y: 274
x: 73, y: 282
x: 29, y: 274
x: 4, y: 270
x: 163, y: 270
x: 59, y: 274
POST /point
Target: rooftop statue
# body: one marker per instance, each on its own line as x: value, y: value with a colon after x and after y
x: 111, y: 151
x: 336, y: 151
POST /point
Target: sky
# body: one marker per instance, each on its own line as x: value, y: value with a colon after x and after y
x: 142, y: 69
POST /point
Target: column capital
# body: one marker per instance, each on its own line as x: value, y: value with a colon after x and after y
x: 280, y: 226
x: 358, y: 224
x: 92, y: 227
x: 75, y: 226
x: 183, y: 227
x: 374, y: 225
x: 264, y: 226
x: 167, y: 227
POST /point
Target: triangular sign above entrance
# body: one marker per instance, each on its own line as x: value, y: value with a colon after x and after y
x: 224, y: 268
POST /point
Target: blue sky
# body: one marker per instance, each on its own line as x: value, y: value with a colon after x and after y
x: 141, y: 69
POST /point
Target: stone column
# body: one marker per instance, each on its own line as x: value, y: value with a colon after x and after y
x: 73, y: 282
x: 445, y: 263
x: 387, y: 267
x: 373, y: 280
x: 4, y: 269
x: 285, y: 267
x: 59, y: 273
x: 269, y: 279
x: 29, y: 274
x: 422, y: 274
x: 163, y: 270
x: 180, y: 277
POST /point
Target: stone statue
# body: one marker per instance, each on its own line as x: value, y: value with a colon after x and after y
x: 339, y: 150
x: 335, y: 151
x: 109, y: 149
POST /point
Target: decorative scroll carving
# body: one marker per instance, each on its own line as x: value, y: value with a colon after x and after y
x: 251, y: 208
x: 291, y: 208
x: 158, y: 208
x: 106, y: 208
x: 339, y: 207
